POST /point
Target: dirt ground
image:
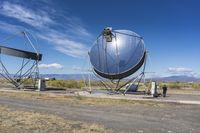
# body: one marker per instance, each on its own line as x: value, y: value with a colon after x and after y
x: 14, y: 120
x: 108, y: 115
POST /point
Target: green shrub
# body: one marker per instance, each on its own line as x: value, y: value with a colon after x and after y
x: 196, y: 86
x: 66, y: 83
x: 179, y: 85
x: 175, y: 85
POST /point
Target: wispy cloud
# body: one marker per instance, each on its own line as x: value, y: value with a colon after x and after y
x: 182, y: 71
x: 66, y: 33
x: 64, y: 44
x: 53, y: 65
x: 10, y: 28
x: 25, y: 15
x: 77, y: 68
x: 81, y: 69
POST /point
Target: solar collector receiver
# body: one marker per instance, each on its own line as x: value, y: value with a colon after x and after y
x: 117, y: 54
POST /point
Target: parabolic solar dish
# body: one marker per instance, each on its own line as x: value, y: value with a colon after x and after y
x: 117, y: 54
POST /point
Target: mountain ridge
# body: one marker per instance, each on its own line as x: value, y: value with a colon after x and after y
x: 181, y: 78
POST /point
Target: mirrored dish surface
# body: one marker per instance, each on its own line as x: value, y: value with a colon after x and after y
x: 121, y: 57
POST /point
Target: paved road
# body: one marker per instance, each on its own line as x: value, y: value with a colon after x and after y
x: 133, y: 118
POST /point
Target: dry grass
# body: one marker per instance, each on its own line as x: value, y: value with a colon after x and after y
x: 14, y: 121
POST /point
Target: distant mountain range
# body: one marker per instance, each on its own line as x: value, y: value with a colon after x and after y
x: 178, y: 78
x: 81, y: 77
x: 92, y: 77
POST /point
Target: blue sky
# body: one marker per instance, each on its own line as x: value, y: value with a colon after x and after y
x: 66, y: 29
